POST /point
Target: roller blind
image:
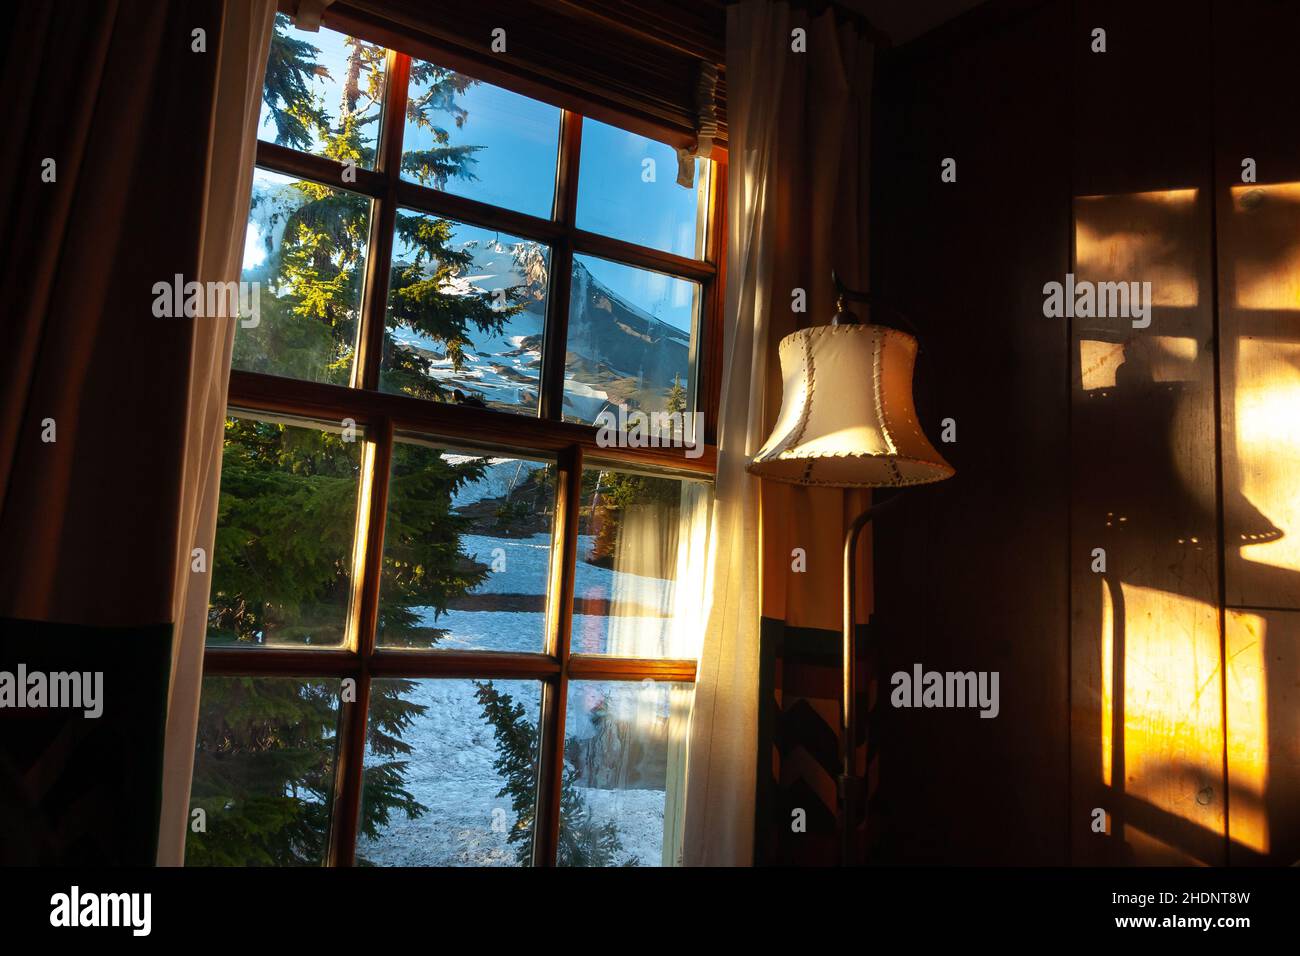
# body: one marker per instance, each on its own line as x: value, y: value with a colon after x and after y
x: 647, y: 67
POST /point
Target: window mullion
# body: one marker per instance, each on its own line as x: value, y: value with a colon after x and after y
x: 452, y: 423
x: 643, y: 257
x: 555, y: 338
x: 388, y: 163
x: 658, y: 669
x: 559, y: 619
x: 708, y: 393
x: 472, y: 212
x: 349, y: 779
x: 318, y: 169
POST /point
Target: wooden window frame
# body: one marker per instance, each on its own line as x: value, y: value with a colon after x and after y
x: 382, y: 415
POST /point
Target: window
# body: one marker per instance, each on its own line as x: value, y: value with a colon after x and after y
x: 449, y: 623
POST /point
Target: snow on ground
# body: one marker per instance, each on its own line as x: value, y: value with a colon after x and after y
x: 526, y: 569
x: 450, y: 772
x: 500, y: 477
x: 582, y: 401
x: 450, y: 769
x: 639, y: 817
x: 526, y: 572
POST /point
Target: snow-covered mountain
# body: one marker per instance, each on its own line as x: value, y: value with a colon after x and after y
x: 617, y: 351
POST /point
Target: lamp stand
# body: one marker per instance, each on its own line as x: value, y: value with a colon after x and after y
x: 852, y: 785
x: 839, y: 422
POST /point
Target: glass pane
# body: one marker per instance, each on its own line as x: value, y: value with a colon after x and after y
x: 631, y: 338
x: 263, y: 771
x: 282, y: 567
x: 628, y: 189
x: 625, y: 760
x: 466, y: 309
x: 466, y: 550
x: 323, y: 93
x: 472, y: 139
x: 305, y: 249
x: 634, y: 547
x: 450, y: 773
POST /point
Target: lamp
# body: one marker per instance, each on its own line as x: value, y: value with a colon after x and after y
x: 847, y: 420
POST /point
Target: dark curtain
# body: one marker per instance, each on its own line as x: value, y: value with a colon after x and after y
x: 106, y: 159
x: 116, y: 96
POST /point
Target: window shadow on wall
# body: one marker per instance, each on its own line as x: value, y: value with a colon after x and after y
x: 1150, y: 692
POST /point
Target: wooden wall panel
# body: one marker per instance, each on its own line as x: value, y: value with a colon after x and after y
x: 1146, y: 692
x: 1174, y: 447
x: 1261, y: 376
x: 971, y: 573
x: 1259, y: 269
x: 1256, y: 102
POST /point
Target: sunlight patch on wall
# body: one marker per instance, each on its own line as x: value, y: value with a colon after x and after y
x: 1172, y: 726
x: 1267, y: 400
x: 1248, y: 741
x: 1107, y: 683
x: 1171, y: 358
x: 1140, y: 237
x: 1268, y: 218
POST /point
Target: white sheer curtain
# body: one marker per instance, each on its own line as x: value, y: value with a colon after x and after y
x: 721, y: 761
x: 244, y: 43
x: 656, y: 593
x: 657, y: 597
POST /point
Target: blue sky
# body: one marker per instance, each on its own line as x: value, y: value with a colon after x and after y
x: 619, y: 193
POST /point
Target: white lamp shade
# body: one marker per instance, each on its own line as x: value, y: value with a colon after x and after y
x: 847, y: 418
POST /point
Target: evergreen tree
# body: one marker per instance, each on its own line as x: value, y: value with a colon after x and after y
x: 264, y: 766
x: 284, y: 540
x: 308, y: 327
x: 676, y: 401
x: 263, y: 772
x: 583, y: 840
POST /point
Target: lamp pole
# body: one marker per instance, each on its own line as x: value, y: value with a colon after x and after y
x: 852, y: 785
x: 851, y: 429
